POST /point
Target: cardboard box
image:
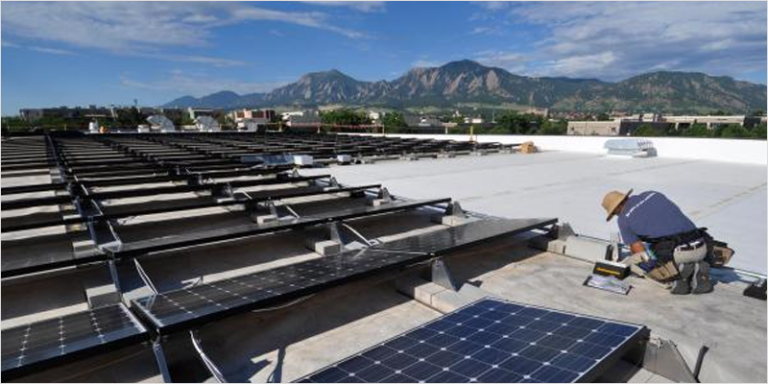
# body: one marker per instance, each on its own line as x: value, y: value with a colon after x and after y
x: 528, y: 147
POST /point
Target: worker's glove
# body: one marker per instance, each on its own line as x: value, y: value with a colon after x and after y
x: 639, y: 263
x: 637, y: 258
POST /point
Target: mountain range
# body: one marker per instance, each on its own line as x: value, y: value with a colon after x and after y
x: 468, y: 82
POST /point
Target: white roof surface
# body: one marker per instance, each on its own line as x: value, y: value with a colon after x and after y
x: 727, y: 198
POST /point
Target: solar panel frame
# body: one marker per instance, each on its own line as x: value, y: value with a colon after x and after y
x: 206, y: 237
x: 326, y: 272
x: 77, y: 347
x: 437, y: 339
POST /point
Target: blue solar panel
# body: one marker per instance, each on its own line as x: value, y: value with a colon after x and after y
x: 492, y: 341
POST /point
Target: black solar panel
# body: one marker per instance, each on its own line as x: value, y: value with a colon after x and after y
x: 46, y: 343
x: 184, y: 308
x: 492, y: 341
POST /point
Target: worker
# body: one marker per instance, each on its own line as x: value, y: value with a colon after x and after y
x: 651, y: 218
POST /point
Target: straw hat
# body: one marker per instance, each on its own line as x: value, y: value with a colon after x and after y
x: 613, y: 200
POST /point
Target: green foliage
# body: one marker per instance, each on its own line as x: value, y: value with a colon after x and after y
x: 758, y: 112
x: 759, y: 132
x: 515, y: 123
x: 697, y: 130
x: 344, y: 116
x: 734, y: 131
x: 394, y: 122
x: 185, y: 120
x: 131, y: 117
x: 648, y: 130
x: 15, y: 124
x: 559, y: 127
x: 603, y: 117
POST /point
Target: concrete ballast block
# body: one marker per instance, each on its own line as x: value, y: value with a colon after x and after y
x: 263, y: 219
x: 449, y: 220
x: 327, y: 247
x: 102, y: 295
x: 587, y: 249
x: 378, y: 202
x: 303, y: 160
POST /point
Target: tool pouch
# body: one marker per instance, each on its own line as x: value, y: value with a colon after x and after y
x: 664, y: 250
x: 718, y: 252
x: 664, y: 273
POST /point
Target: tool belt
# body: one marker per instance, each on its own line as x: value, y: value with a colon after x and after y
x: 664, y: 247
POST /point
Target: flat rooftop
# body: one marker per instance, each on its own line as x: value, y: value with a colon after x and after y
x: 287, y: 342
x: 727, y: 198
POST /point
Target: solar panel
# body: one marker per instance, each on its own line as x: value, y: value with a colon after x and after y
x: 46, y: 343
x: 204, y: 237
x: 184, y: 308
x: 492, y: 341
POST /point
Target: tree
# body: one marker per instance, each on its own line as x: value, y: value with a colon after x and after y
x: 559, y: 127
x: 185, y: 120
x: 344, y: 116
x: 736, y: 131
x: 697, y: 130
x: 393, y: 122
x: 758, y: 112
x: 759, y: 132
x: 130, y: 117
x: 648, y: 130
x: 512, y: 122
x: 603, y: 117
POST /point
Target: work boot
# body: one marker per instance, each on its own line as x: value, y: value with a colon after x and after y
x: 701, y: 281
x: 682, y: 286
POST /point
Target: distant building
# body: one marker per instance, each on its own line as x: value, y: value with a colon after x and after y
x: 543, y: 112
x: 474, y: 120
x: 375, y: 116
x: 712, y: 122
x: 32, y: 114
x: 615, y: 127
x: 596, y: 128
x: 287, y: 115
x: 422, y: 121
x: 303, y: 120
x: 197, y: 112
x: 240, y: 114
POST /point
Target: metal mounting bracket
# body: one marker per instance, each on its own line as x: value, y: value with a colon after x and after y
x: 454, y: 209
x: 663, y: 358
x: 441, y: 275
x: 162, y: 364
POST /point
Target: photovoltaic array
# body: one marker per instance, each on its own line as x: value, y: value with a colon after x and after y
x: 37, y: 345
x: 492, y: 341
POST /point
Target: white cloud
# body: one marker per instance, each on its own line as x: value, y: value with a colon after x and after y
x: 578, y: 65
x: 146, y: 28
x: 35, y: 48
x: 198, y: 59
x: 615, y: 40
x: 425, y: 63
x: 493, y: 5
x: 52, y: 51
x: 362, y: 6
x: 491, y: 31
x: 511, y: 61
x: 197, y: 84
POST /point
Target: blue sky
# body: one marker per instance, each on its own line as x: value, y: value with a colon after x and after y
x: 73, y: 53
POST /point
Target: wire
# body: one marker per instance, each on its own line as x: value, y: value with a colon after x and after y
x: 292, y: 303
